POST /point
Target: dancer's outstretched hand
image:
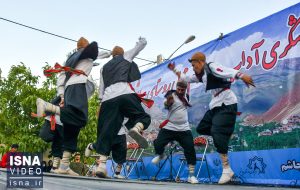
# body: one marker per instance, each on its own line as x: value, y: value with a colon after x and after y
x: 170, y: 100
x: 62, y: 102
x: 142, y: 38
x: 171, y: 66
x: 248, y: 80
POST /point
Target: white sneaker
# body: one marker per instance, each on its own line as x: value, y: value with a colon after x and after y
x: 43, y: 106
x: 158, y: 158
x: 88, y: 151
x: 40, y: 107
x: 227, y: 174
x: 136, y: 135
x: 101, y: 171
x: 119, y: 176
x: 193, y: 180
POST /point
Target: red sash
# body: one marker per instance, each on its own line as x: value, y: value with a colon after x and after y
x: 147, y: 102
x: 52, y: 120
x: 58, y: 68
x: 164, y: 123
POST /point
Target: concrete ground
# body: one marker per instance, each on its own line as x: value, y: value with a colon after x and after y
x: 63, y: 182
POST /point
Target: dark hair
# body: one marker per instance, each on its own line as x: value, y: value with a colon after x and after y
x: 182, y: 84
x: 50, y: 162
x: 14, y: 146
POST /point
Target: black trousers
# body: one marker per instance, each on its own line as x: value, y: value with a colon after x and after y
x: 219, y: 123
x: 119, y: 149
x: 70, y: 139
x: 111, y: 117
x: 75, y: 110
x: 74, y: 114
x: 56, y: 137
x: 184, y: 138
x: 57, y: 143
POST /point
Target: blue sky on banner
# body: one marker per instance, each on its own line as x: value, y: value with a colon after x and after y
x: 165, y: 24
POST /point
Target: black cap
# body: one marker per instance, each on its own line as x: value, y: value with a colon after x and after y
x: 14, y: 146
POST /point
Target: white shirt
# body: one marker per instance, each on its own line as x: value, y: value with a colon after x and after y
x: 226, y: 97
x: 85, y: 65
x: 177, y: 116
x: 120, y: 88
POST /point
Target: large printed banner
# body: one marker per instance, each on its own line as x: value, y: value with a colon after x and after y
x: 266, y: 143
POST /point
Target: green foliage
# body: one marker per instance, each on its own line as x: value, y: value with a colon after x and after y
x: 18, y: 94
x: 249, y: 135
